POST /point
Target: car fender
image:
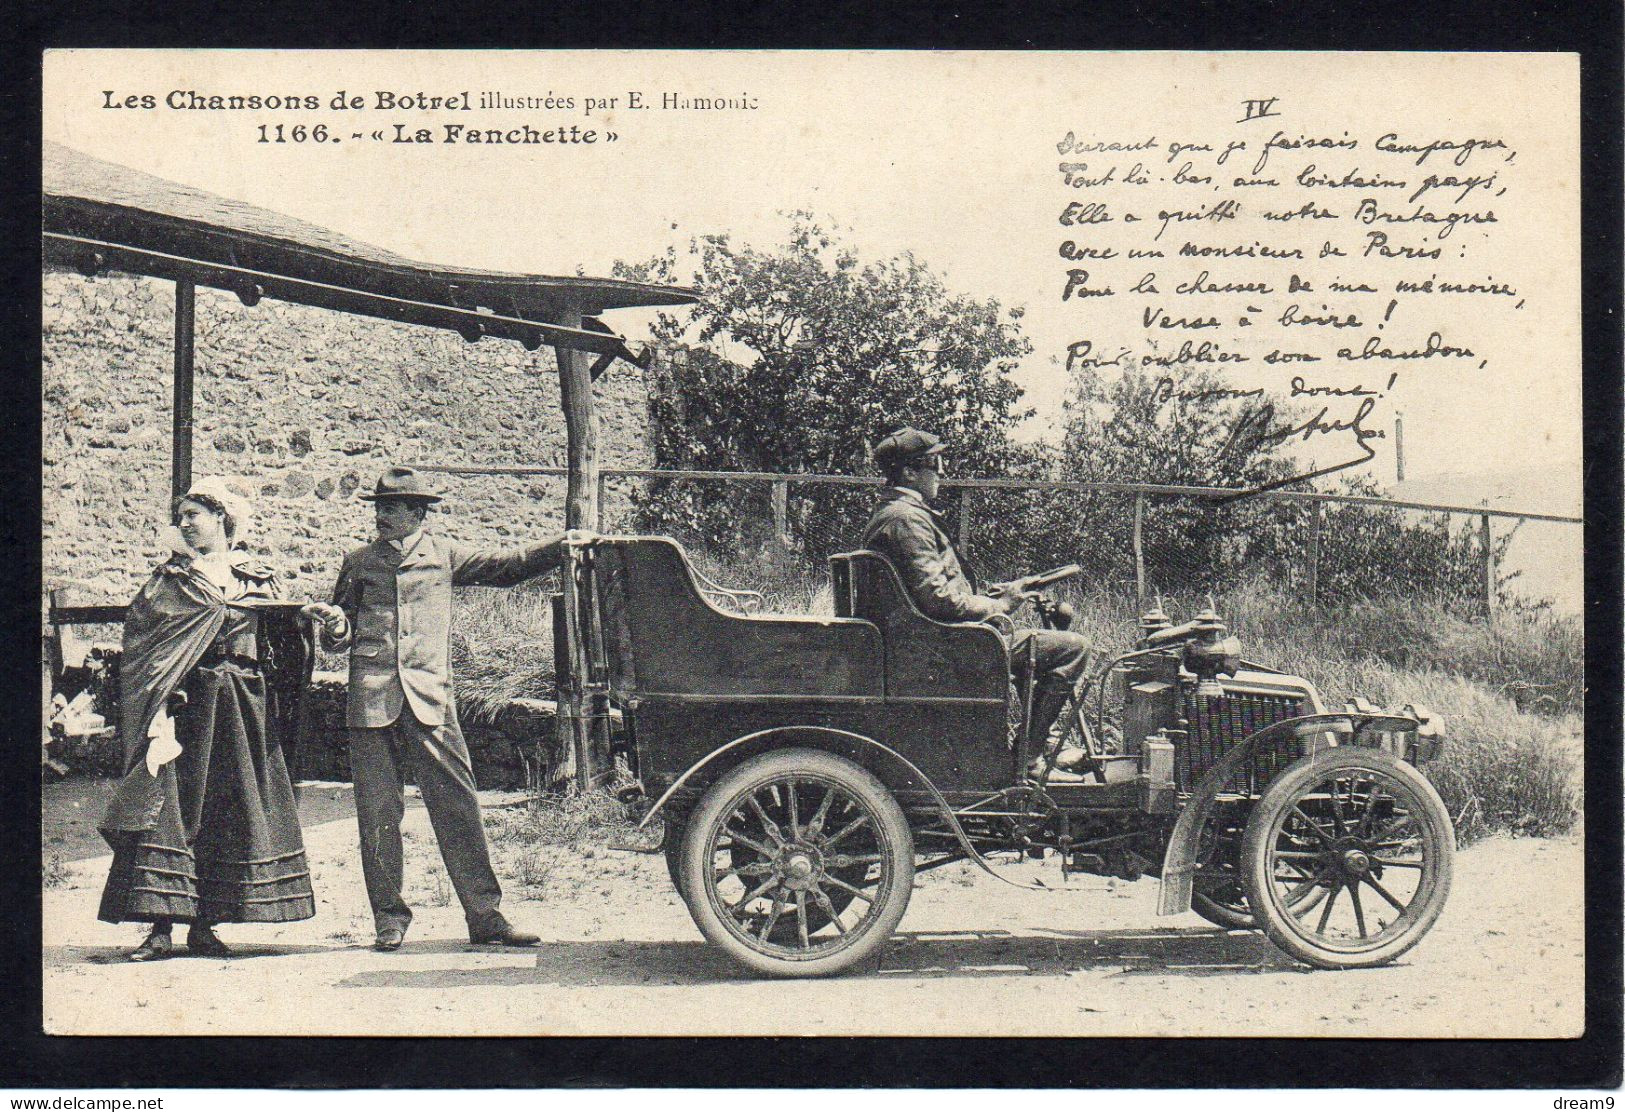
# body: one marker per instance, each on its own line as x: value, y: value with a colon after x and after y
x: 1179, y: 861
x: 847, y: 736
x: 848, y: 739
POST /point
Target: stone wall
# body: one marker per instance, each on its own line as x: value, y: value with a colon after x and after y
x: 302, y: 407
x: 517, y: 749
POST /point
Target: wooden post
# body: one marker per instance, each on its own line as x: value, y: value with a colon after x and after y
x: 580, y: 430
x: 1487, y: 542
x: 1314, y: 553
x: 781, y: 517
x: 964, y: 521
x: 180, y: 459
x: 1139, y: 545
x: 1399, y: 447
x: 47, y: 686
x: 603, y: 497
x: 50, y: 662
x: 572, y: 700
x: 587, y: 712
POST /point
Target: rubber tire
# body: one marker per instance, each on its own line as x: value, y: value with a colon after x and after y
x: 1283, y: 793
x: 673, y: 852
x: 1219, y: 914
x: 892, y: 831
x: 1239, y: 919
x: 1222, y: 916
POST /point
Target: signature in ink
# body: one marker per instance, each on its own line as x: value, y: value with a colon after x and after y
x: 1257, y: 429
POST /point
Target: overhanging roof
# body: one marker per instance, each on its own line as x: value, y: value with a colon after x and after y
x: 102, y: 216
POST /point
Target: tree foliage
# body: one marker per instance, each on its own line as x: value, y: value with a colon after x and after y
x: 1177, y: 426
x: 1165, y: 427
x: 1190, y: 426
x: 800, y: 358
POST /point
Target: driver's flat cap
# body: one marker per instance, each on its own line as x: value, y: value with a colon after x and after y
x: 907, y: 446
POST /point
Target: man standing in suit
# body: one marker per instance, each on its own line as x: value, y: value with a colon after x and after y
x: 392, y: 610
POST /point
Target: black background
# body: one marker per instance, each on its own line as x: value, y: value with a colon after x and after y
x: 28, y: 1058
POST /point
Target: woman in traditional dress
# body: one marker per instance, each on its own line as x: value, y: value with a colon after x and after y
x: 203, y: 825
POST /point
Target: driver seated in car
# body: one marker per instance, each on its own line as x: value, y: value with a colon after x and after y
x: 908, y: 531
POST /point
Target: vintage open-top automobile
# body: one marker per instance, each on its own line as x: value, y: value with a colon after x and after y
x: 806, y: 768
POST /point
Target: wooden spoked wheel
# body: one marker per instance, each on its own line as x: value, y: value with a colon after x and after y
x: 1368, y: 832
x: 1218, y: 891
x: 797, y: 863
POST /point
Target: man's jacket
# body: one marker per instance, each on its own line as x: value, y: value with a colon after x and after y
x: 399, y: 609
x: 908, y: 533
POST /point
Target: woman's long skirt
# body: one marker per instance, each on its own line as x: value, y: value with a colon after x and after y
x: 227, y: 846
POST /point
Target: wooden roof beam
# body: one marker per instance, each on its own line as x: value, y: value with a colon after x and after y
x: 91, y: 255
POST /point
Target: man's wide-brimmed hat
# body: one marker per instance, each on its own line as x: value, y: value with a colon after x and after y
x: 907, y: 446
x: 403, y: 483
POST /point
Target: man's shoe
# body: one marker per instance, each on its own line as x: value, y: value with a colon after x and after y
x: 157, y: 947
x: 1071, y: 759
x: 505, y: 935
x: 1056, y: 775
x: 1069, y: 763
x: 203, y: 942
x: 389, y: 939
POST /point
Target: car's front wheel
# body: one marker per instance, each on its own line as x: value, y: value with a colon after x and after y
x: 1369, y: 836
x: 797, y: 863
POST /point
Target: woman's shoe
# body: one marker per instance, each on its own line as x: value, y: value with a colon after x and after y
x: 157, y: 947
x: 203, y: 942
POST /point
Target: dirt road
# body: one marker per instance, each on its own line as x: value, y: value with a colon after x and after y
x: 973, y: 957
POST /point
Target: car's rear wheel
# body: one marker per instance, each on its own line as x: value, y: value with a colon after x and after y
x: 797, y: 863
x: 1371, y: 835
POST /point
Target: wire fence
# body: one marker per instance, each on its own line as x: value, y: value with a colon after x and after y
x: 1325, y: 548
x: 775, y: 532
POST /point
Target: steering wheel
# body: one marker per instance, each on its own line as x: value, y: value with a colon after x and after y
x: 1026, y: 590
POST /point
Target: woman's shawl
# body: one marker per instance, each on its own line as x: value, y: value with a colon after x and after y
x: 174, y: 619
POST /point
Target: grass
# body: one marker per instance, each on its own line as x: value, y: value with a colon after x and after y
x: 502, y: 640
x: 533, y: 845
x: 1534, y: 658
x: 532, y: 868
x: 787, y: 588
x: 439, y: 889
x: 502, y: 647
x: 55, y: 873
x: 575, y: 821
x: 1510, y: 765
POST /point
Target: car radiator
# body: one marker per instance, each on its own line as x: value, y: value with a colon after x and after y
x: 1217, y: 723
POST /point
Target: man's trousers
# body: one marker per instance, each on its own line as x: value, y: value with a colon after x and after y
x: 1059, y: 658
x: 438, y: 757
